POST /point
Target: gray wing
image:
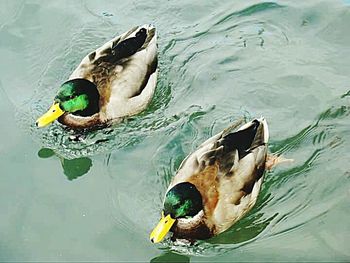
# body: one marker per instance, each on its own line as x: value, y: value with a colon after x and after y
x: 232, y: 145
x: 228, y: 149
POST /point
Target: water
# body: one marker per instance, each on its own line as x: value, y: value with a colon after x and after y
x: 97, y: 199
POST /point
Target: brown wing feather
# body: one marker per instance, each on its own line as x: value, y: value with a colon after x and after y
x: 206, y: 182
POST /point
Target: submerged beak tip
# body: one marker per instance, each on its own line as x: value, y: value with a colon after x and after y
x: 161, y: 230
x: 40, y: 123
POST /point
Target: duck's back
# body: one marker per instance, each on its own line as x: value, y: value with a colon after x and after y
x: 228, y: 169
x: 124, y: 71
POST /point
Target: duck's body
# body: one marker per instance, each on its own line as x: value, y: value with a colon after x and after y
x: 227, y: 171
x: 124, y: 72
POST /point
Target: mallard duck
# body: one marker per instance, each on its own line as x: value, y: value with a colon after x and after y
x: 216, y: 185
x: 114, y: 81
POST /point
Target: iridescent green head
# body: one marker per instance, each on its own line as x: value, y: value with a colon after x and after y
x: 77, y: 96
x: 183, y: 200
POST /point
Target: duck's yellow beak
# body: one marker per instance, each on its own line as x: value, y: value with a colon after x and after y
x: 163, y: 227
x: 51, y: 115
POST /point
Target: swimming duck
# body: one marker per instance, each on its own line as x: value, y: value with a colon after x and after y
x: 216, y: 185
x: 114, y: 81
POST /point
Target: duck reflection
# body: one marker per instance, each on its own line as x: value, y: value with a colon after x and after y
x: 73, y: 168
x: 170, y: 257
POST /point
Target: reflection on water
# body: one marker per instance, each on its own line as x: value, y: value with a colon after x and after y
x: 45, y: 153
x: 76, y: 167
x: 170, y: 257
x: 73, y: 168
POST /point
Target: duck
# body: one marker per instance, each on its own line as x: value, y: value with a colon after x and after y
x: 113, y: 82
x: 217, y: 184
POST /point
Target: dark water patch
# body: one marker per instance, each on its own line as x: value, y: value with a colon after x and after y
x: 72, y: 168
x: 170, y: 257
x: 45, y: 153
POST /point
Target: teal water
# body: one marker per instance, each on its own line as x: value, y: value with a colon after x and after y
x: 97, y: 199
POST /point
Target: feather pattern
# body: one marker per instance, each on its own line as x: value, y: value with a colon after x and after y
x: 227, y: 170
x: 124, y: 71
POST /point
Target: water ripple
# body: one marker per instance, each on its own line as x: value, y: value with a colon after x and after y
x: 229, y: 63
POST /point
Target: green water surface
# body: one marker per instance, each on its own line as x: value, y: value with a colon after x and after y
x: 98, y: 196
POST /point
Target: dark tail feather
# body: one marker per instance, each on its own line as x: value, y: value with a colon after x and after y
x: 244, y: 140
x: 130, y: 46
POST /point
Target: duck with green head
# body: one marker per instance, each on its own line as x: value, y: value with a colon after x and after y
x: 216, y: 185
x: 77, y: 96
x: 111, y: 83
x: 181, y: 201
